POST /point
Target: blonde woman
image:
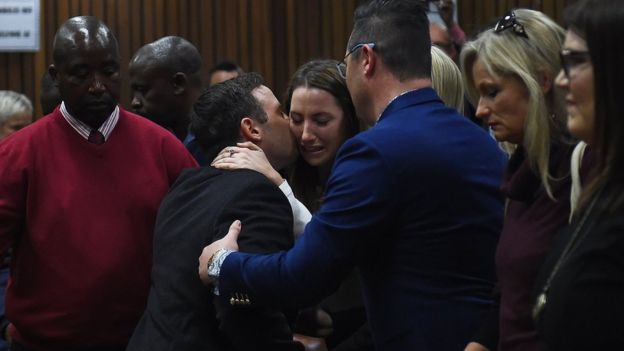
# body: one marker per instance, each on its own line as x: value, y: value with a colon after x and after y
x: 509, y: 72
x: 447, y: 80
x: 16, y: 112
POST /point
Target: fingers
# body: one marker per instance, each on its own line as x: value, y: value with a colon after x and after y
x: 224, y: 165
x: 229, y: 242
x: 249, y: 145
x: 230, y: 239
x: 236, y: 161
x: 228, y: 153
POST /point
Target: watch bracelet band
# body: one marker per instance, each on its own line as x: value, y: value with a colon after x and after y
x: 214, y: 266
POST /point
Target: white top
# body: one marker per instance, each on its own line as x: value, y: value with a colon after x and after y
x: 301, y: 215
x: 575, y: 167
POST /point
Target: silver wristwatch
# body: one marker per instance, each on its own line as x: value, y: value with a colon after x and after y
x: 214, y: 267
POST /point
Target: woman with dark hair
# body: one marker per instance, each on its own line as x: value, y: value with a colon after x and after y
x: 322, y: 118
x: 580, y: 301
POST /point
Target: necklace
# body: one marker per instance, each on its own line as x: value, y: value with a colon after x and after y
x: 391, y: 101
x: 576, y: 238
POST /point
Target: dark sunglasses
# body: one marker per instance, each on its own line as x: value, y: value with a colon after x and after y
x: 571, y: 59
x: 509, y: 21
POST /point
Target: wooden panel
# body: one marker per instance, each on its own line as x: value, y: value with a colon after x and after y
x: 230, y: 25
x: 15, y: 72
x: 183, y: 15
x: 97, y: 10
x: 244, y: 34
x: 149, y: 34
x: 172, y: 24
x: 194, y: 21
x: 160, y: 17
x: 291, y: 40
x: 4, y: 77
x: 476, y: 15
x: 84, y: 7
x: 272, y: 37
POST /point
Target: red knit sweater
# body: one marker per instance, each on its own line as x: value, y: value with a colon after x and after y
x: 80, y: 217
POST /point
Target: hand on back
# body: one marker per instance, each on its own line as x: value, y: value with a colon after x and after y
x: 246, y: 155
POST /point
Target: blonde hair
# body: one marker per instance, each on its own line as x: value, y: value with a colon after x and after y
x: 532, y: 61
x: 447, y: 79
x: 12, y: 103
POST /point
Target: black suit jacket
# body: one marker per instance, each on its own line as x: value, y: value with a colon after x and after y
x: 181, y: 312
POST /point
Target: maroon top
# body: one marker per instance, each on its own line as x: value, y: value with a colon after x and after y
x: 531, y: 223
x: 80, y: 217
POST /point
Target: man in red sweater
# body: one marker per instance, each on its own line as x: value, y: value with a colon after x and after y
x: 79, y: 191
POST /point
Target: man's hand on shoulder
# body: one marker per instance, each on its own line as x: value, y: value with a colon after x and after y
x: 211, y: 258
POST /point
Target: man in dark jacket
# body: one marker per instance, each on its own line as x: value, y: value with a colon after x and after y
x: 200, y: 207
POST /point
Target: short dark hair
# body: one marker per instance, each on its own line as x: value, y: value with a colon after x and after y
x: 601, y: 24
x: 227, y: 66
x: 216, y: 116
x: 400, y: 31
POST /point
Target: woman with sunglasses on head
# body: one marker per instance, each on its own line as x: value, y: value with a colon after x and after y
x: 580, y: 301
x: 509, y: 72
x: 322, y: 118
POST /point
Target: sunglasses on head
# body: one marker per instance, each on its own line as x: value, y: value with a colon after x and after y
x: 509, y: 21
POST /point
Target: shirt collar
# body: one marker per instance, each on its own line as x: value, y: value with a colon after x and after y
x: 83, y: 129
x: 407, y: 98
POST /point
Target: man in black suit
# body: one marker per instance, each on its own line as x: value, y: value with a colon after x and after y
x: 201, y: 205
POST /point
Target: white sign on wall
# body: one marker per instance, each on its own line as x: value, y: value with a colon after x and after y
x: 19, y: 25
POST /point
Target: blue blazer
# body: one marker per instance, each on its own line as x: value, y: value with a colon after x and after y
x: 414, y: 203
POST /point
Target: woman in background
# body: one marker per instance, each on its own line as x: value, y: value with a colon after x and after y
x: 509, y: 72
x: 580, y: 299
x: 16, y: 112
x: 446, y: 80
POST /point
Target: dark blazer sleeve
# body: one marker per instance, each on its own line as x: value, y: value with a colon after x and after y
x: 266, y: 227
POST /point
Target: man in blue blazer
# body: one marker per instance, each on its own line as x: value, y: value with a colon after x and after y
x: 413, y: 202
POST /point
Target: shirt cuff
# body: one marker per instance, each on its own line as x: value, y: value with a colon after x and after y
x: 214, y: 268
x: 285, y: 188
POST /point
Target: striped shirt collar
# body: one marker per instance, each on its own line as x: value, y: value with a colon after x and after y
x: 83, y: 129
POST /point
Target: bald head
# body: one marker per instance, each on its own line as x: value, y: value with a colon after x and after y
x: 166, y: 79
x: 82, y: 32
x: 86, y: 69
x: 173, y: 54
